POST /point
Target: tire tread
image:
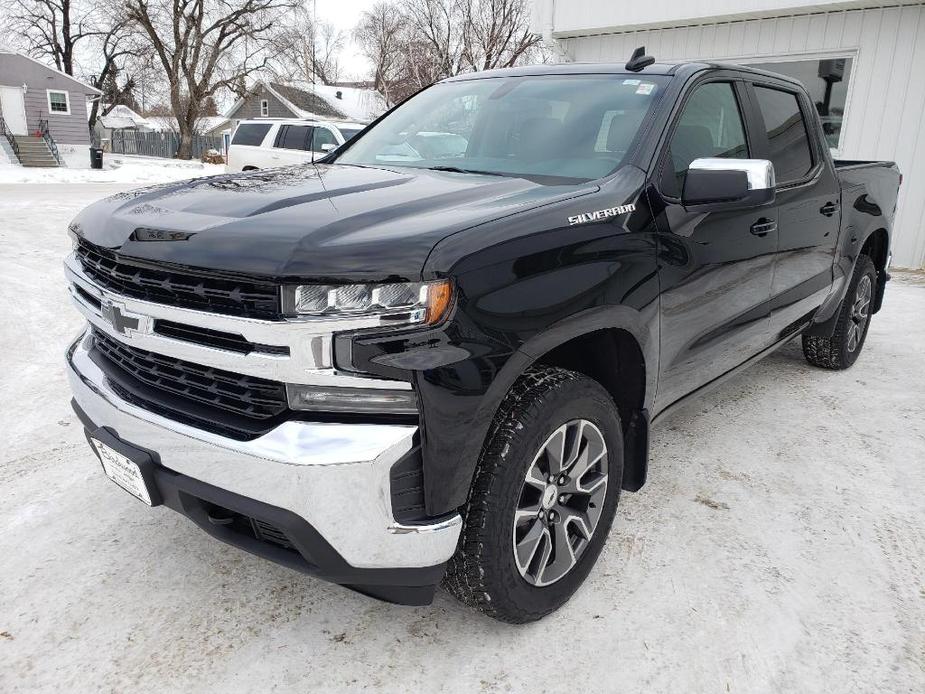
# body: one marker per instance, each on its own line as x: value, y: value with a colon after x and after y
x: 832, y: 352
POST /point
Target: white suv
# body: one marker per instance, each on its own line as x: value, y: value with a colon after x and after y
x: 265, y: 143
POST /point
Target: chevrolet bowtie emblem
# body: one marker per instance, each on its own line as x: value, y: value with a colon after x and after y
x: 118, y: 318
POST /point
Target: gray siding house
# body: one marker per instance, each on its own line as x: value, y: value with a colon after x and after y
x: 271, y: 100
x: 31, y: 91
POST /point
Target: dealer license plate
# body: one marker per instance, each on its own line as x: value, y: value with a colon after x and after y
x: 123, y: 471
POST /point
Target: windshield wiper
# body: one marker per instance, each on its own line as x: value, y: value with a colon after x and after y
x: 456, y: 169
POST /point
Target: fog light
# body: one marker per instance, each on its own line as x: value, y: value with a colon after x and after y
x: 357, y: 400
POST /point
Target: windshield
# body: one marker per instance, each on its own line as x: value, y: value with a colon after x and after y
x: 573, y: 127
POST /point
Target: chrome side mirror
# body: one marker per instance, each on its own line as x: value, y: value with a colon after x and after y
x: 729, y: 183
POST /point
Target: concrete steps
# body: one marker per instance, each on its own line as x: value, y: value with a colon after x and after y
x: 33, y: 152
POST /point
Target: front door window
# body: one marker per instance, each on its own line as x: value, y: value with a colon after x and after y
x: 710, y: 126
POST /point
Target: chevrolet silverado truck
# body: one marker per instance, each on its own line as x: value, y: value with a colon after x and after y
x: 394, y: 369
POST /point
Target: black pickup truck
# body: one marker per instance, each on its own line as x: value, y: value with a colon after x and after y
x: 435, y: 355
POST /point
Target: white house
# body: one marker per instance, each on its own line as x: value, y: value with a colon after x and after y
x: 863, y: 62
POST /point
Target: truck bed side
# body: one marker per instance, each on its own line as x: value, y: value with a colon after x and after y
x: 869, y: 190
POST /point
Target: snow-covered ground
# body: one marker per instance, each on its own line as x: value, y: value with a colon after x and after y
x: 125, y: 170
x: 779, y: 545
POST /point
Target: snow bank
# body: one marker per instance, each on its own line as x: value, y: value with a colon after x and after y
x: 118, y: 168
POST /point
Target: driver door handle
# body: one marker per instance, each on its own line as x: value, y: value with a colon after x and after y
x: 763, y: 227
x: 829, y: 209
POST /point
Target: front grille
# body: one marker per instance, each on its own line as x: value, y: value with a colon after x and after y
x: 231, y: 404
x: 178, y: 288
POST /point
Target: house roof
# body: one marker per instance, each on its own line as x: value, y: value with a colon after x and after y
x: 86, y: 87
x: 305, y: 101
x: 321, y: 101
x: 121, y: 117
x: 358, y: 104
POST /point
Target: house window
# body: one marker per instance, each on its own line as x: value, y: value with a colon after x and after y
x: 264, y: 108
x: 58, y: 102
x: 827, y: 82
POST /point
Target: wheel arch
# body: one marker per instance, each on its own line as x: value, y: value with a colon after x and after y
x: 613, y: 357
x: 615, y: 346
x: 876, y: 245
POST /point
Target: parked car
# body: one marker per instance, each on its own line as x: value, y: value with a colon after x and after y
x: 391, y: 372
x: 264, y: 144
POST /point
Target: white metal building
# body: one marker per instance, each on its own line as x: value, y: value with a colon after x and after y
x: 863, y: 62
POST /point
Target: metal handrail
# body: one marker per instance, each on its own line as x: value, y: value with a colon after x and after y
x: 49, y: 140
x: 5, y: 131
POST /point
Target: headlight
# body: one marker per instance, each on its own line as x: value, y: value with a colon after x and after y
x: 407, y: 303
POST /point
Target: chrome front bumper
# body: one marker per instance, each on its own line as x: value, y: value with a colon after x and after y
x: 335, y: 476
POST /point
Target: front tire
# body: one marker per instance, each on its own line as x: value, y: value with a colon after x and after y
x: 543, y: 498
x: 841, y: 350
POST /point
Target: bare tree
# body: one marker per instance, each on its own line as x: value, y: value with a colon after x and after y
x: 306, y: 50
x: 116, y: 44
x: 380, y: 36
x: 414, y: 43
x: 205, y: 46
x: 67, y: 32
x: 497, y: 33
x: 52, y: 29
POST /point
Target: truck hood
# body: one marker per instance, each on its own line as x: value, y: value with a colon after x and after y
x: 322, y: 222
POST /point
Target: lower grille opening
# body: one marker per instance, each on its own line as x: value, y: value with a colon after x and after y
x: 251, y: 527
x: 270, y: 533
x: 232, y: 405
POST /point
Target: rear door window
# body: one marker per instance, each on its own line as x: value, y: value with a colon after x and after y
x: 294, y: 137
x: 250, y: 134
x: 788, y: 141
x: 710, y: 126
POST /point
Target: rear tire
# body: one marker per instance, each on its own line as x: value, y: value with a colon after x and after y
x: 528, y: 543
x: 841, y: 350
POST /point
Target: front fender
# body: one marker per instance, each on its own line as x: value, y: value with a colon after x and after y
x: 460, y: 401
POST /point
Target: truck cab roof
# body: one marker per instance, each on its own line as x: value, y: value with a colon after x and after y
x: 682, y: 69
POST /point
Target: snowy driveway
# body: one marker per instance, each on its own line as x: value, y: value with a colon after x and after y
x: 778, y: 546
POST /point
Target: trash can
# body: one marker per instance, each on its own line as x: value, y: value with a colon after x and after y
x: 96, y: 157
